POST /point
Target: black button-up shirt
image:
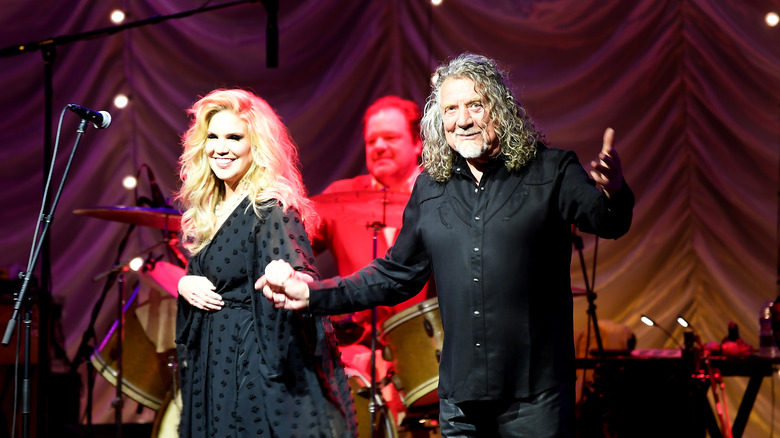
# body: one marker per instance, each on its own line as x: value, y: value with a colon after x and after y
x: 500, y: 252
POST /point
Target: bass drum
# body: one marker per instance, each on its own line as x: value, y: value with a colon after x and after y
x: 147, y: 367
x: 361, y: 393
x: 166, y: 421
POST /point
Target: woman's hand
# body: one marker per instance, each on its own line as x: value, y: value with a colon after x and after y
x: 199, y: 292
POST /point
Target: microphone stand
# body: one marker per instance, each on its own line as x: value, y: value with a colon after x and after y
x: 272, y: 31
x: 578, y: 245
x: 46, y: 218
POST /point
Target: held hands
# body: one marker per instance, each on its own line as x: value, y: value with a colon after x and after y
x: 199, y: 292
x: 607, y: 171
x: 285, y: 287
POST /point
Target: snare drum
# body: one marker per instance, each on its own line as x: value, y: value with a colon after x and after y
x: 413, y: 341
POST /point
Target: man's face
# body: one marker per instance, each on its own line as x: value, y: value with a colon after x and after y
x: 468, y: 127
x: 391, y: 151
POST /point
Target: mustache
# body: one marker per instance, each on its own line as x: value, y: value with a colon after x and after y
x: 459, y: 131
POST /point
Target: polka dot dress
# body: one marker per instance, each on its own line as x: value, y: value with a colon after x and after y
x: 254, y: 371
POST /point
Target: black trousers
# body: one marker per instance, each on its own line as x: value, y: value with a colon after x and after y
x: 549, y: 414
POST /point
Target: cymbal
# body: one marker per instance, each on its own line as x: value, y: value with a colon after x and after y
x: 367, y: 206
x: 363, y: 197
x: 162, y: 218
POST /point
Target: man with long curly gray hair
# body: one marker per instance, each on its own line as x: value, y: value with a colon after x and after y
x: 491, y: 217
x: 515, y: 132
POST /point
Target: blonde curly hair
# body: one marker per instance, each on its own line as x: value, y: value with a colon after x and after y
x: 515, y: 130
x: 274, y: 175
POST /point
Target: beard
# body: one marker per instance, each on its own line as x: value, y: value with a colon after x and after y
x: 473, y: 149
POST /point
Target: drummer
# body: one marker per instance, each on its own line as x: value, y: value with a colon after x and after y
x: 391, y: 130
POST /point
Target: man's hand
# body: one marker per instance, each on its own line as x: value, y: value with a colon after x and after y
x: 285, y: 287
x: 607, y: 171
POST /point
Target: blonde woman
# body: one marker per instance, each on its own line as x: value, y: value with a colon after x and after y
x: 246, y: 368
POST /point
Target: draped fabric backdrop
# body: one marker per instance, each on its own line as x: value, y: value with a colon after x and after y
x: 692, y: 88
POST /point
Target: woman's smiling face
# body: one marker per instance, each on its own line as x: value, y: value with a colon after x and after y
x: 228, y: 148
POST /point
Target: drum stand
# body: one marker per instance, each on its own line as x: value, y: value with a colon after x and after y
x: 376, y: 227
x: 115, y: 275
x: 121, y: 268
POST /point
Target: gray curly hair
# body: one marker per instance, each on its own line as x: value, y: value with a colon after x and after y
x: 515, y: 130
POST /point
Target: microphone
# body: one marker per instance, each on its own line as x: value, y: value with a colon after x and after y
x: 100, y: 119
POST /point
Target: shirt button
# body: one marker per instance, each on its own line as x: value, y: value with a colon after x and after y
x: 476, y: 249
x: 476, y: 280
x: 476, y: 190
x: 482, y: 188
x: 476, y: 218
x: 477, y: 345
x: 476, y: 313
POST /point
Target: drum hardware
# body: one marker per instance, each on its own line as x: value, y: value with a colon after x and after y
x: 173, y: 365
x: 380, y: 422
x: 166, y: 421
x: 166, y: 219
x: 145, y: 382
x: 146, y: 375
x: 141, y: 381
x: 125, y: 265
x: 117, y: 404
x: 372, y: 405
x: 369, y: 204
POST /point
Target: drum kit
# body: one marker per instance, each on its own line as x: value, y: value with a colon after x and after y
x: 411, y: 340
x: 138, y: 355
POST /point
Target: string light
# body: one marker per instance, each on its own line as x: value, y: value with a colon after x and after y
x: 136, y: 263
x: 121, y: 101
x: 772, y: 19
x: 129, y: 182
x: 117, y: 16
